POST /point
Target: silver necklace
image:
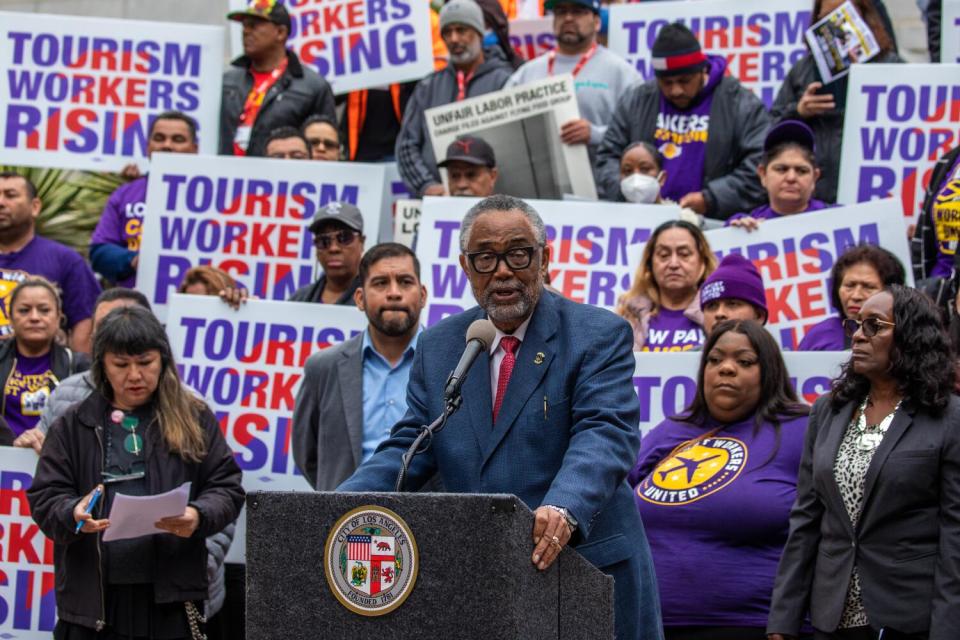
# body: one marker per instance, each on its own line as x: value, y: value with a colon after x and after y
x: 871, y: 436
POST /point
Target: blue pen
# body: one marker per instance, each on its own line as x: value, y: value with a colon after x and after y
x: 90, y: 506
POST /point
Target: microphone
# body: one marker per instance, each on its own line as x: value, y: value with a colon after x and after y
x: 480, y: 335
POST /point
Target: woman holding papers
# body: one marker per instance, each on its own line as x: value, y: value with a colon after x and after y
x: 140, y: 434
x: 714, y: 487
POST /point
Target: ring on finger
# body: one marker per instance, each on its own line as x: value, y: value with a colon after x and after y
x: 555, y: 540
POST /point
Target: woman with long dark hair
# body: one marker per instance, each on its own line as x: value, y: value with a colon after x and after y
x: 874, y: 544
x: 714, y: 487
x: 139, y: 433
x: 663, y: 305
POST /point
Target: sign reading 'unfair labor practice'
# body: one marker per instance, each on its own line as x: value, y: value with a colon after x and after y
x: 759, y: 39
x: 81, y: 93
x: 356, y: 44
x: 248, y: 365
x: 595, y: 247
x: 794, y: 255
x: 247, y: 216
x: 900, y: 118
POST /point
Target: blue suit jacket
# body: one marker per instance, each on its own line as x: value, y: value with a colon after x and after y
x: 566, y: 435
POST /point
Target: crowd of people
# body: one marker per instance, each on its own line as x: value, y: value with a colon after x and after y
x: 748, y: 515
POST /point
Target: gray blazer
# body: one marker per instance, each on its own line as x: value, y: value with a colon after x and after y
x: 907, y: 543
x: 328, y: 415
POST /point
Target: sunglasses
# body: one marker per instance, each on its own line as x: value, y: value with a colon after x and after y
x: 870, y: 326
x: 326, y: 143
x: 343, y: 238
x: 487, y: 261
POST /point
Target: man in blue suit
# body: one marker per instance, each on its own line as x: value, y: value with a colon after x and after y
x: 550, y: 416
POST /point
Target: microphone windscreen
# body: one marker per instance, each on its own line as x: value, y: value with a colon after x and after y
x: 482, y: 330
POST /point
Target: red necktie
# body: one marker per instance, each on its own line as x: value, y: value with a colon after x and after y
x: 509, y: 344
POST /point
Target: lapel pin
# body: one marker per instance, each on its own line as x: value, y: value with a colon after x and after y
x: 538, y: 359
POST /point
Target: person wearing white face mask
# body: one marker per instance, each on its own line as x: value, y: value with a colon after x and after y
x: 642, y: 175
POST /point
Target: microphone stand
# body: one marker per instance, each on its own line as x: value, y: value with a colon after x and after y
x: 426, y: 433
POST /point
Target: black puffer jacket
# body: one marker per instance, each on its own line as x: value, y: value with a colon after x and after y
x: 827, y: 128
x: 298, y: 94
x: 70, y: 466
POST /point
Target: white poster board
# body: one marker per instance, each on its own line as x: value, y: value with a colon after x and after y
x: 81, y: 93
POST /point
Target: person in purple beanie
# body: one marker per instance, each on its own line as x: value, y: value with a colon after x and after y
x: 733, y: 292
x: 714, y: 486
x: 856, y: 275
x: 706, y: 125
x: 115, y: 243
x: 789, y: 173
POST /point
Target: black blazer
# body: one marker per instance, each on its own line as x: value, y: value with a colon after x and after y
x: 907, y: 543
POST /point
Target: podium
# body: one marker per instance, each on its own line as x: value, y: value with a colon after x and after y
x: 471, y: 556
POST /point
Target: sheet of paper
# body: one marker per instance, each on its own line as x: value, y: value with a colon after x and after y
x: 839, y: 37
x: 133, y: 516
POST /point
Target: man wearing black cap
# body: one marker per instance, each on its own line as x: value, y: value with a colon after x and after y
x: 338, y: 236
x: 468, y: 75
x: 267, y: 87
x: 471, y: 167
x: 600, y: 76
x: 708, y: 128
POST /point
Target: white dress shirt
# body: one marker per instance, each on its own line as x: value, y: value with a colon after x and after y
x: 497, y: 355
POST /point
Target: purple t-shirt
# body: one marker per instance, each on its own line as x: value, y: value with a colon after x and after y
x: 717, y: 514
x: 681, y: 136
x: 946, y: 221
x: 672, y: 331
x: 26, y: 391
x: 825, y: 336
x: 766, y: 212
x: 122, y: 220
x: 55, y: 262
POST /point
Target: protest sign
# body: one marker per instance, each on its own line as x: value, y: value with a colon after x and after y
x: 666, y: 385
x: 358, y: 44
x: 595, y: 248
x: 532, y: 37
x: 522, y: 124
x: 838, y: 39
x: 81, y: 93
x: 950, y: 32
x: 406, y: 221
x: 760, y: 40
x: 900, y: 118
x: 247, y: 216
x: 248, y: 365
x: 393, y: 191
x: 28, y: 608
x: 795, y: 254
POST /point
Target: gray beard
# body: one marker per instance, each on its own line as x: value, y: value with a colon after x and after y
x: 519, y: 310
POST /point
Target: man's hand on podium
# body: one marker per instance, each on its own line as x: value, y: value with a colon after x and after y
x: 550, y: 534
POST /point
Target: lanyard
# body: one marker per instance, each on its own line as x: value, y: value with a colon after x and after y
x: 552, y: 58
x: 462, y: 82
x: 257, y: 93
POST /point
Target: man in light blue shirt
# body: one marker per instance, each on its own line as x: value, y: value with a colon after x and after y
x: 353, y: 393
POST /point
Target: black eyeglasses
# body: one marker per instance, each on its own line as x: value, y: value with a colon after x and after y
x: 343, y: 237
x: 870, y: 326
x: 516, y: 259
x: 116, y: 473
x: 326, y: 143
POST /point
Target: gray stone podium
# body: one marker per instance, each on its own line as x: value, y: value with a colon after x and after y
x: 475, y: 578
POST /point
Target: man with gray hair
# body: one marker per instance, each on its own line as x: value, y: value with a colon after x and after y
x: 468, y: 75
x: 554, y: 394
